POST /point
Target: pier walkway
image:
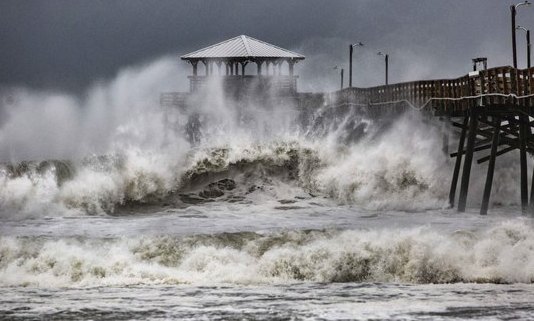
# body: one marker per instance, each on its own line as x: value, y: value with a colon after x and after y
x: 495, y: 87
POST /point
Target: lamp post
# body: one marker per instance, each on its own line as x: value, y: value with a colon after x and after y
x: 341, y: 74
x: 513, y: 9
x: 386, y: 60
x: 351, y: 48
x: 528, y: 44
x: 341, y: 78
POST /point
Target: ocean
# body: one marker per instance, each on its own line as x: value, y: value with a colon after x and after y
x: 113, y: 208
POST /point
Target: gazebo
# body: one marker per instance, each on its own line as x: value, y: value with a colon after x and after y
x: 235, y: 54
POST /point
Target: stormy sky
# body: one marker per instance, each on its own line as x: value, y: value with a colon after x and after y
x: 70, y: 44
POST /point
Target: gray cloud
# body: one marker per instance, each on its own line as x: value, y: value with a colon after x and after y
x: 70, y: 44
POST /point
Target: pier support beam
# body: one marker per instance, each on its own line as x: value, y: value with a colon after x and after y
x: 473, y: 124
x: 444, y: 135
x: 458, y: 163
x: 532, y: 194
x: 491, y: 167
x: 523, y: 161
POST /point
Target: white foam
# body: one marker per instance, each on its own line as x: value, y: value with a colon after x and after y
x: 502, y: 253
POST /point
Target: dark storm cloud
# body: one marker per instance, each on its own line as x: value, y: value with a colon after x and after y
x: 69, y: 44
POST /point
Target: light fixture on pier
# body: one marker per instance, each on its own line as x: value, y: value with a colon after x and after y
x: 525, y: 3
x: 351, y: 48
x: 386, y: 60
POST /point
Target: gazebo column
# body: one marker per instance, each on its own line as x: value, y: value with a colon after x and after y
x: 194, y: 63
x: 218, y: 67
x: 279, y: 68
x: 267, y: 64
x: 276, y: 68
x: 243, y: 65
x: 291, y: 64
x: 258, y: 64
x: 207, y: 68
x: 236, y: 68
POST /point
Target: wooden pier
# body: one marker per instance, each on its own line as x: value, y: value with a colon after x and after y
x: 492, y: 108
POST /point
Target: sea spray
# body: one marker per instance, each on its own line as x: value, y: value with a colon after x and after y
x: 400, y: 169
x: 109, y: 117
x: 123, y: 148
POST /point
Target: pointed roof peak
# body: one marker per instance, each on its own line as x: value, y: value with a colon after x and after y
x: 242, y: 46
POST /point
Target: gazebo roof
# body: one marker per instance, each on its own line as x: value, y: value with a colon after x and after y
x: 242, y: 47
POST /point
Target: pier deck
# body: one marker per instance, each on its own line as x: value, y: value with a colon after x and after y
x: 496, y: 88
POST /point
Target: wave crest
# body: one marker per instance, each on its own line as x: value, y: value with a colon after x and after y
x: 501, y: 254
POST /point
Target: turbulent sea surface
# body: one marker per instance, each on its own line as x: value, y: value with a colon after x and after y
x: 245, y: 212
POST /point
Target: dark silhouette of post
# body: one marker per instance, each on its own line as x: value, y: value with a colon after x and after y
x: 514, y: 48
x: 386, y: 61
x: 524, y: 131
x: 351, y: 49
x: 472, y: 134
x: 350, y: 64
x: 341, y: 75
x: 528, y: 49
x: 341, y: 78
x: 387, y: 69
x: 491, y: 167
x: 458, y: 162
x: 528, y: 43
x: 513, y: 11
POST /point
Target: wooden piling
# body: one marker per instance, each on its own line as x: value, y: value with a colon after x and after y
x: 523, y: 161
x: 472, y: 134
x: 445, y: 136
x: 532, y: 193
x: 461, y: 143
x: 491, y: 167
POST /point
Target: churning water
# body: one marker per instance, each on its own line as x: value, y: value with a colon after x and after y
x: 110, y: 212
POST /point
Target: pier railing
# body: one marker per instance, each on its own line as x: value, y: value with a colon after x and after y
x: 276, y: 83
x: 491, y: 87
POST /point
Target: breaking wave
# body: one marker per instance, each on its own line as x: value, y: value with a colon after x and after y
x: 100, y: 185
x: 400, y: 170
x: 116, y: 148
x: 501, y: 254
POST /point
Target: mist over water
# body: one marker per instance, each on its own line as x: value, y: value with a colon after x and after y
x: 67, y: 155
